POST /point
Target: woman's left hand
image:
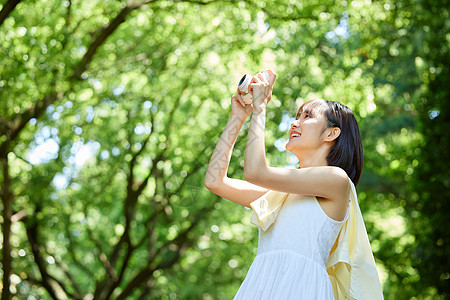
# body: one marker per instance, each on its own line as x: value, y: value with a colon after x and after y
x: 262, y: 89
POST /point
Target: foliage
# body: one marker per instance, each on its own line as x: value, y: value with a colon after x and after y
x: 110, y: 111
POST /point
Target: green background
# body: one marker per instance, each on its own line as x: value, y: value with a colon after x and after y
x: 110, y: 111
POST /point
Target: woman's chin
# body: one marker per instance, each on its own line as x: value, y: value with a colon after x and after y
x: 294, y: 149
x: 289, y: 147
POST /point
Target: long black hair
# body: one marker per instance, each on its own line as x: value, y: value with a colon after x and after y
x: 347, y: 150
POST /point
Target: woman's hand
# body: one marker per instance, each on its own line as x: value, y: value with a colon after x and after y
x: 238, y: 107
x: 261, y: 89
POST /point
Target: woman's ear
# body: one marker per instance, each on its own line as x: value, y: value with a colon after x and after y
x: 332, y: 134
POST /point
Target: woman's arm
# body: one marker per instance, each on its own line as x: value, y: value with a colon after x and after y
x: 327, y: 181
x: 216, y: 180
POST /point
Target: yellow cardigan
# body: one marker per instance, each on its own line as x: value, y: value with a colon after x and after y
x: 350, y: 266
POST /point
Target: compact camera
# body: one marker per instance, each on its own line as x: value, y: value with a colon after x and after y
x: 245, y: 82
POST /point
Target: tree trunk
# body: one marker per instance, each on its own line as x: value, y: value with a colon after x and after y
x: 7, y: 198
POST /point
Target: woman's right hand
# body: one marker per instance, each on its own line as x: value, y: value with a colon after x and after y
x: 238, y: 107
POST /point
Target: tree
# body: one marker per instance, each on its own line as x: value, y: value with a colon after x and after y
x: 104, y: 226
x: 109, y: 115
x: 429, y: 209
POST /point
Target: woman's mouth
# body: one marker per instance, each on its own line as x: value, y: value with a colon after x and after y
x: 294, y: 134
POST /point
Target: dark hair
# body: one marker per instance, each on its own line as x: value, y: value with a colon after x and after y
x: 347, y: 150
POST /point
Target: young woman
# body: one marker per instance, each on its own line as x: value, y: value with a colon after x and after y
x: 291, y: 262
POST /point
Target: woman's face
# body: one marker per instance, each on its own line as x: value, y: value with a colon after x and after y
x: 306, y: 132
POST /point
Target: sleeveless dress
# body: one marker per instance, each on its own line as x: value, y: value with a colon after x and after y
x: 292, y: 253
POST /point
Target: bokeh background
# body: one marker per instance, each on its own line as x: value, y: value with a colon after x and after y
x: 110, y: 111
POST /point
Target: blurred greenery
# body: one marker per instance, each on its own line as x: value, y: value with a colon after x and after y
x: 110, y: 111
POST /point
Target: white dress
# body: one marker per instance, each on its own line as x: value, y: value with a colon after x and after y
x: 292, y: 253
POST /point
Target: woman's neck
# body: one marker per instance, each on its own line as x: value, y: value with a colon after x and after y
x: 312, y: 162
x: 316, y: 159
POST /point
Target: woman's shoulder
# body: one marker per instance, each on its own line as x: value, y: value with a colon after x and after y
x: 334, y: 173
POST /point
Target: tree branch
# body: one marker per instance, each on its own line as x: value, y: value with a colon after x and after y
x: 150, y: 225
x: 74, y: 257
x: 19, y: 216
x: 52, y: 285
x: 130, y: 250
x: 78, y: 294
x: 13, y: 128
x: 130, y: 201
x: 104, y: 34
x: 69, y: 11
x: 109, y: 269
x: 117, y: 282
x: 7, y: 9
x: 141, y: 277
x: 199, y: 2
x: 111, y: 277
x: 69, y: 235
x: 181, y: 243
x: 7, y: 199
x: 129, y: 205
x: 146, y: 291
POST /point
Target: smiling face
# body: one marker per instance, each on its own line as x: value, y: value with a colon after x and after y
x: 306, y: 130
x: 310, y: 135
x: 327, y: 133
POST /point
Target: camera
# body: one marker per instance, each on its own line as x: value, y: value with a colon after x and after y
x: 245, y: 82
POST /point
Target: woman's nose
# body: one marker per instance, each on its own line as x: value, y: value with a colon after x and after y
x: 294, y: 124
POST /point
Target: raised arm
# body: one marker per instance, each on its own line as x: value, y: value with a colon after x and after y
x: 216, y: 180
x: 327, y: 182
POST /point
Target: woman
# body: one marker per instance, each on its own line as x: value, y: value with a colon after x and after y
x: 291, y: 262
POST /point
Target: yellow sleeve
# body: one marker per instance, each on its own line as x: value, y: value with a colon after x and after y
x: 351, y: 265
x: 266, y: 208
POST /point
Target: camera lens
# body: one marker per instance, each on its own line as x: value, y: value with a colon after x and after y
x: 242, y: 79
